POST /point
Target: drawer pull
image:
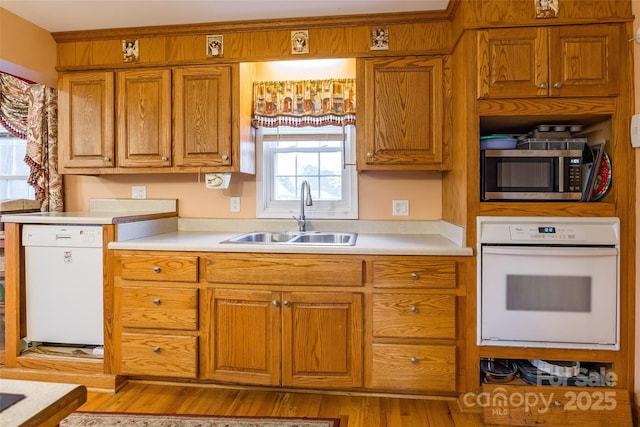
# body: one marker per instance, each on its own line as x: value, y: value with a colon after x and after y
x: 544, y: 85
x: 414, y: 360
x: 414, y: 309
x: 557, y: 85
x: 156, y: 269
x: 156, y: 301
x: 415, y: 276
x: 558, y: 404
x: 286, y: 303
x: 156, y: 349
x: 274, y: 303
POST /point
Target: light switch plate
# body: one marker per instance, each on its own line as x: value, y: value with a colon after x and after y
x: 139, y: 192
x: 400, y: 207
x: 635, y: 131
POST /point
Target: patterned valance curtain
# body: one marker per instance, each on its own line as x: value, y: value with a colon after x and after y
x: 30, y: 111
x: 298, y: 103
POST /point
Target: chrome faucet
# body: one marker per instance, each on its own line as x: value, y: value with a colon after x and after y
x: 302, y: 223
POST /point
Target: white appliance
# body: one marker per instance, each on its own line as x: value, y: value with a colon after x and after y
x: 548, y: 282
x: 63, y: 274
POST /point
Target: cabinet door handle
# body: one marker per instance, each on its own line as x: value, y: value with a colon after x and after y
x: 225, y: 157
x: 414, y: 309
x: 557, y: 85
x: 286, y: 303
x: 370, y: 155
x: 156, y: 301
x: 164, y: 158
x: 415, y: 276
x: 544, y: 85
x: 558, y: 404
x: 156, y: 269
x: 275, y: 303
x: 106, y: 159
x: 414, y: 360
x: 156, y: 349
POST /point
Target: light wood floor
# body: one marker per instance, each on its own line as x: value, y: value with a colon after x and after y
x: 353, y: 411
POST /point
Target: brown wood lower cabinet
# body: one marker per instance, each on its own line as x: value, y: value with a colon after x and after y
x: 305, y: 339
x: 325, y: 322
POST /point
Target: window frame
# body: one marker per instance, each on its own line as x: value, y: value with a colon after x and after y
x: 266, y: 207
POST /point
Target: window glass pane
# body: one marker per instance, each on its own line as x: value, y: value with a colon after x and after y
x: 331, y: 188
x: 13, y: 169
x: 308, y: 164
x: 331, y: 163
x: 285, y: 164
x: 284, y: 188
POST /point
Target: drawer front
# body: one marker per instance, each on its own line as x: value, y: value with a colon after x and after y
x: 553, y: 406
x: 159, y: 308
x: 414, y: 274
x: 266, y: 269
x: 414, y: 367
x: 414, y: 316
x: 160, y: 268
x: 159, y: 355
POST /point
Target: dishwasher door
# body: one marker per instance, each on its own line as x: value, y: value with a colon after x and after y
x: 64, y: 290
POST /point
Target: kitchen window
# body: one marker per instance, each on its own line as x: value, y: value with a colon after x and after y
x: 321, y: 155
x: 14, y: 172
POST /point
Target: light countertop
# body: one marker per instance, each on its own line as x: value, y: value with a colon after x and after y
x: 103, y: 211
x: 374, y: 238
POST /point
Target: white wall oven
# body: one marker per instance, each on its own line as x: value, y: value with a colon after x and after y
x: 548, y: 282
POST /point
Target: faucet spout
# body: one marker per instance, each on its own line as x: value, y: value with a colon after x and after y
x: 305, y: 199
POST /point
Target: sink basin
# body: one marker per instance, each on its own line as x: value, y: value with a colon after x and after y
x: 263, y: 237
x: 296, y: 238
x: 326, y: 239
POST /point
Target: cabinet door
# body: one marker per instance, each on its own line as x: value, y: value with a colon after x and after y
x: 144, y: 118
x: 86, y: 104
x: 512, y: 63
x: 245, y: 336
x: 202, y: 111
x: 322, y: 340
x: 583, y: 60
x: 400, y: 113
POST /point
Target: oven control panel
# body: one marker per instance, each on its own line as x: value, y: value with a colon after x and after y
x: 599, y: 231
x: 546, y: 233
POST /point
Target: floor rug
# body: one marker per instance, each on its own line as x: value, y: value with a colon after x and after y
x: 103, y: 419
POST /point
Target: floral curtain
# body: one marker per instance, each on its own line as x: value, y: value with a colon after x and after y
x: 30, y: 111
x: 298, y: 103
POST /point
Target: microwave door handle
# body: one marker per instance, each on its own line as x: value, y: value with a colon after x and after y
x: 560, y: 161
x: 547, y: 251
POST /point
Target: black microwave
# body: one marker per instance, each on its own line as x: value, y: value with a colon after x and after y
x: 531, y: 175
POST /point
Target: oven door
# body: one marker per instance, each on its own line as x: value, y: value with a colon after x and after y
x: 541, y: 296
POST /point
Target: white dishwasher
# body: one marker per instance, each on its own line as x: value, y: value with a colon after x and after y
x: 63, y: 280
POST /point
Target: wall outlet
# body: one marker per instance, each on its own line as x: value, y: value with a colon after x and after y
x: 400, y: 207
x: 235, y: 204
x: 139, y: 192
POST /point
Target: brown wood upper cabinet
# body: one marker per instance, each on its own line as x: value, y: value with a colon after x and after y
x: 121, y: 121
x: 400, y: 103
x: 144, y: 118
x: 558, y: 61
x: 202, y: 111
x: 86, y: 120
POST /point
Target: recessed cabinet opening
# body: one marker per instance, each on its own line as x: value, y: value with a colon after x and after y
x: 536, y: 372
x: 559, y: 158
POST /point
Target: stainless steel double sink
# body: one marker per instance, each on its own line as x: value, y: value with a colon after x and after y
x: 295, y: 238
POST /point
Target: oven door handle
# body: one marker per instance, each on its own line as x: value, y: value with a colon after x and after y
x: 547, y: 251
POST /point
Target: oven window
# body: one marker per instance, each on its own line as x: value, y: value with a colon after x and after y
x: 525, y: 174
x: 549, y: 293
